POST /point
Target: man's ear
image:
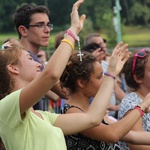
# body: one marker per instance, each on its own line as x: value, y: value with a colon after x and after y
x: 12, y: 69
x: 81, y: 83
x: 22, y: 30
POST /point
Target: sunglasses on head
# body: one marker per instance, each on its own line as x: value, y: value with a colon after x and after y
x: 139, y: 54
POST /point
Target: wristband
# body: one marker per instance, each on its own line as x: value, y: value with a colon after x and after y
x: 75, y: 37
x: 110, y: 75
x: 67, y: 41
x: 140, y: 110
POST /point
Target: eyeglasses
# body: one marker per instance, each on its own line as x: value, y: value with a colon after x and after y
x: 140, y: 54
x: 41, y: 26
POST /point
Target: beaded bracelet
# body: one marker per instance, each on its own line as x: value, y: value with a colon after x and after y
x: 110, y: 75
x: 67, y: 41
x: 140, y: 110
x: 77, y: 39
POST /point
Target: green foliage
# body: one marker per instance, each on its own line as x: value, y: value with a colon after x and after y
x: 5, y: 36
x: 135, y: 12
x: 140, y: 13
x: 60, y: 11
x: 100, y: 12
x: 99, y: 16
x: 6, y: 11
x: 136, y: 36
x: 88, y: 27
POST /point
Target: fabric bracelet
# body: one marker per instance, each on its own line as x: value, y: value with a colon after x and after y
x: 75, y: 37
x: 110, y: 75
x: 140, y: 110
x: 67, y: 41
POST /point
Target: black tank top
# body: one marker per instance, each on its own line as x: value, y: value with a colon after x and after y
x: 81, y: 142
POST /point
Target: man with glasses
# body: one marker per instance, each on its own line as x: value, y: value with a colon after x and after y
x: 33, y: 26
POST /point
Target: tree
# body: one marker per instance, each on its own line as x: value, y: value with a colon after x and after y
x: 135, y: 12
x: 6, y: 11
x: 60, y: 11
x: 140, y: 14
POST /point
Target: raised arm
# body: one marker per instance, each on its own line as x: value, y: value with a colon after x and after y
x: 72, y: 123
x: 120, y: 128
x: 53, y: 70
x: 117, y: 60
x: 137, y: 131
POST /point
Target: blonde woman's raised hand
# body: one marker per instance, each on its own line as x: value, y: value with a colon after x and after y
x: 76, y: 21
x: 118, y: 58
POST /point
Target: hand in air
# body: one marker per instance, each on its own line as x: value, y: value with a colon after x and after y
x: 76, y: 22
x: 118, y: 58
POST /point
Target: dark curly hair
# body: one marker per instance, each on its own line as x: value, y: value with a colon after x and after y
x: 77, y: 69
x: 139, y: 69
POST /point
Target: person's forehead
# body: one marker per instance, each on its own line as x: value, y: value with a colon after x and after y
x: 24, y: 55
x: 97, y: 68
x: 98, y: 40
x: 24, y: 52
x: 98, y: 65
x: 40, y: 17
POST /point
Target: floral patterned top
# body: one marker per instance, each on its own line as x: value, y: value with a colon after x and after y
x: 128, y: 103
x: 81, y: 142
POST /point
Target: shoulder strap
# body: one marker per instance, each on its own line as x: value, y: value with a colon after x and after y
x: 67, y: 106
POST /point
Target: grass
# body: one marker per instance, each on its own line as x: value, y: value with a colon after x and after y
x: 49, y: 49
x: 4, y: 37
x: 134, y: 36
